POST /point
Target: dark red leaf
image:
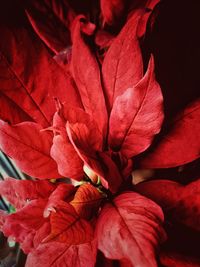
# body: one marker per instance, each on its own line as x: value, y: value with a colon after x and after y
x: 87, y: 201
x: 180, y: 202
x: 67, y: 227
x: 10, y: 111
x: 130, y: 228
x: 123, y: 66
x: 86, y: 74
x: 31, y: 78
x: 19, y: 192
x: 181, y: 143
x: 56, y: 254
x: 51, y: 20
x: 169, y: 259
x: 30, y: 148
x: 136, y: 116
x: 112, y: 10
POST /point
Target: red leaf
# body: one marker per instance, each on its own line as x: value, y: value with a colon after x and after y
x: 45, y: 17
x: 67, y: 227
x: 30, y: 77
x: 136, y: 116
x: 180, y: 202
x: 18, y: 192
x: 87, y: 201
x: 69, y: 163
x: 86, y: 142
x: 169, y: 259
x: 30, y: 148
x: 63, y: 192
x: 56, y: 254
x: 130, y: 228
x: 88, y: 79
x: 112, y: 10
x: 123, y: 66
x: 11, y: 112
x: 23, y: 225
x: 181, y: 144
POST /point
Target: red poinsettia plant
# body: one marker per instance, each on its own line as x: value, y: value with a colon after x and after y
x: 79, y: 102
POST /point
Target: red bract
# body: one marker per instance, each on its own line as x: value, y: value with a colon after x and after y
x: 181, y: 136
x: 95, y: 117
x: 30, y: 148
x: 28, y: 85
x: 135, y: 225
x: 181, y: 203
x: 123, y: 67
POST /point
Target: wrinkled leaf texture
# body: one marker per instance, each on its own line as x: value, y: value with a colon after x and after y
x: 181, y: 143
x: 30, y: 78
x: 134, y: 231
x: 88, y: 78
x: 87, y: 201
x: 67, y: 227
x: 86, y: 142
x: 136, y: 116
x: 122, y: 66
x: 18, y: 192
x: 27, y: 226
x: 30, y: 148
x: 77, y: 255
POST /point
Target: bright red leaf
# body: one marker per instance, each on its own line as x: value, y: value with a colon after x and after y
x: 87, y: 201
x: 180, y: 202
x: 69, y: 163
x: 67, y: 227
x: 130, y: 228
x: 24, y: 224
x: 63, y: 192
x: 88, y: 78
x: 19, y: 192
x: 122, y: 66
x: 180, y: 144
x: 56, y: 254
x: 136, y: 116
x: 30, y: 148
